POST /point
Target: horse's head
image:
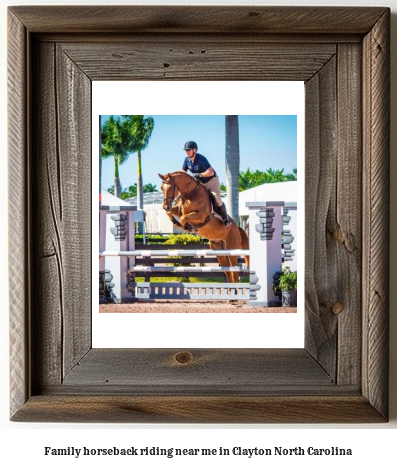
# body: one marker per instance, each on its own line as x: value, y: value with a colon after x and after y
x: 169, y: 189
x: 176, y: 186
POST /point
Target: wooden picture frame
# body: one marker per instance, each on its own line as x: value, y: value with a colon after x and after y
x: 342, y: 54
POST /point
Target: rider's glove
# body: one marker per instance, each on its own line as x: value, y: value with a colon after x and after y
x: 196, y: 175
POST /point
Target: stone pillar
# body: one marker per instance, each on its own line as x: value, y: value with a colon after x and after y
x: 290, y: 232
x: 265, y: 227
x: 116, y: 233
x: 120, y: 237
x: 102, y: 246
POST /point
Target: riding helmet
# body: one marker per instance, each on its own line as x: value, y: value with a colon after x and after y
x: 190, y: 145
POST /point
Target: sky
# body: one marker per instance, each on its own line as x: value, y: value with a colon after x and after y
x: 265, y: 142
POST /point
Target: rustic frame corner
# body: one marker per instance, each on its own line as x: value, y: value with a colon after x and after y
x: 342, y: 55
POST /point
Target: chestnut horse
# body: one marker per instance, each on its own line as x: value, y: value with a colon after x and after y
x: 190, y: 200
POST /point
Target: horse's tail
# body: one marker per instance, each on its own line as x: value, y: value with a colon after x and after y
x: 244, y: 243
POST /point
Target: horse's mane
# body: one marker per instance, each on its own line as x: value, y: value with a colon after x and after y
x: 179, y: 172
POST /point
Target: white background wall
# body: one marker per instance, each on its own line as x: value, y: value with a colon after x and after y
x: 23, y: 444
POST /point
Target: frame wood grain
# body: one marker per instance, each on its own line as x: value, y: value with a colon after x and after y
x: 342, y: 55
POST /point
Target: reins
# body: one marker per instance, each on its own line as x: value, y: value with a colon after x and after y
x: 186, y: 193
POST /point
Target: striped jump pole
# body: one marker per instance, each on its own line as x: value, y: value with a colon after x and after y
x: 142, y: 269
x: 174, y: 253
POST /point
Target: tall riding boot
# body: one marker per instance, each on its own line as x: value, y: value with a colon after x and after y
x: 224, y: 215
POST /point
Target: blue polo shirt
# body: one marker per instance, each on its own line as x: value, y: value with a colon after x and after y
x: 199, y: 165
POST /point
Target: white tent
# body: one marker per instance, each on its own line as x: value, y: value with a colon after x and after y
x: 282, y: 191
x: 110, y: 200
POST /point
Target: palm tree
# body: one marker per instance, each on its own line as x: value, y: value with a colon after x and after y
x: 129, y: 192
x: 232, y: 157
x: 140, y: 129
x: 116, y: 143
x: 245, y: 180
x: 149, y: 188
x: 275, y: 175
x: 293, y: 175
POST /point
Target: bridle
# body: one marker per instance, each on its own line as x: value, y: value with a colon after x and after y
x: 172, y: 201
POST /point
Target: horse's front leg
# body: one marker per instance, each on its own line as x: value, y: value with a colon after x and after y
x: 223, y: 260
x: 184, y: 219
x: 171, y: 214
x: 232, y: 262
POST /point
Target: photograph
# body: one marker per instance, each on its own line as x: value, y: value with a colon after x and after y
x: 188, y: 203
x: 199, y: 214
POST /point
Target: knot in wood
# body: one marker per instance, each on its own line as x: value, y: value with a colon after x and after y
x: 183, y: 358
x: 337, y: 308
x: 338, y: 235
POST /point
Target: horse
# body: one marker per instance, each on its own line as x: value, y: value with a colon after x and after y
x: 190, y: 200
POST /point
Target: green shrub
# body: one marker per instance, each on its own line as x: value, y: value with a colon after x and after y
x: 288, y: 280
x: 156, y: 237
x: 184, y: 239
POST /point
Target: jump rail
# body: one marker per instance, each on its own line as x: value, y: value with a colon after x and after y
x: 219, y: 291
x: 172, y: 290
x: 173, y: 253
x: 189, y: 269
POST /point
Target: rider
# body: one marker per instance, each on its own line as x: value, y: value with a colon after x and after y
x: 202, y: 171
